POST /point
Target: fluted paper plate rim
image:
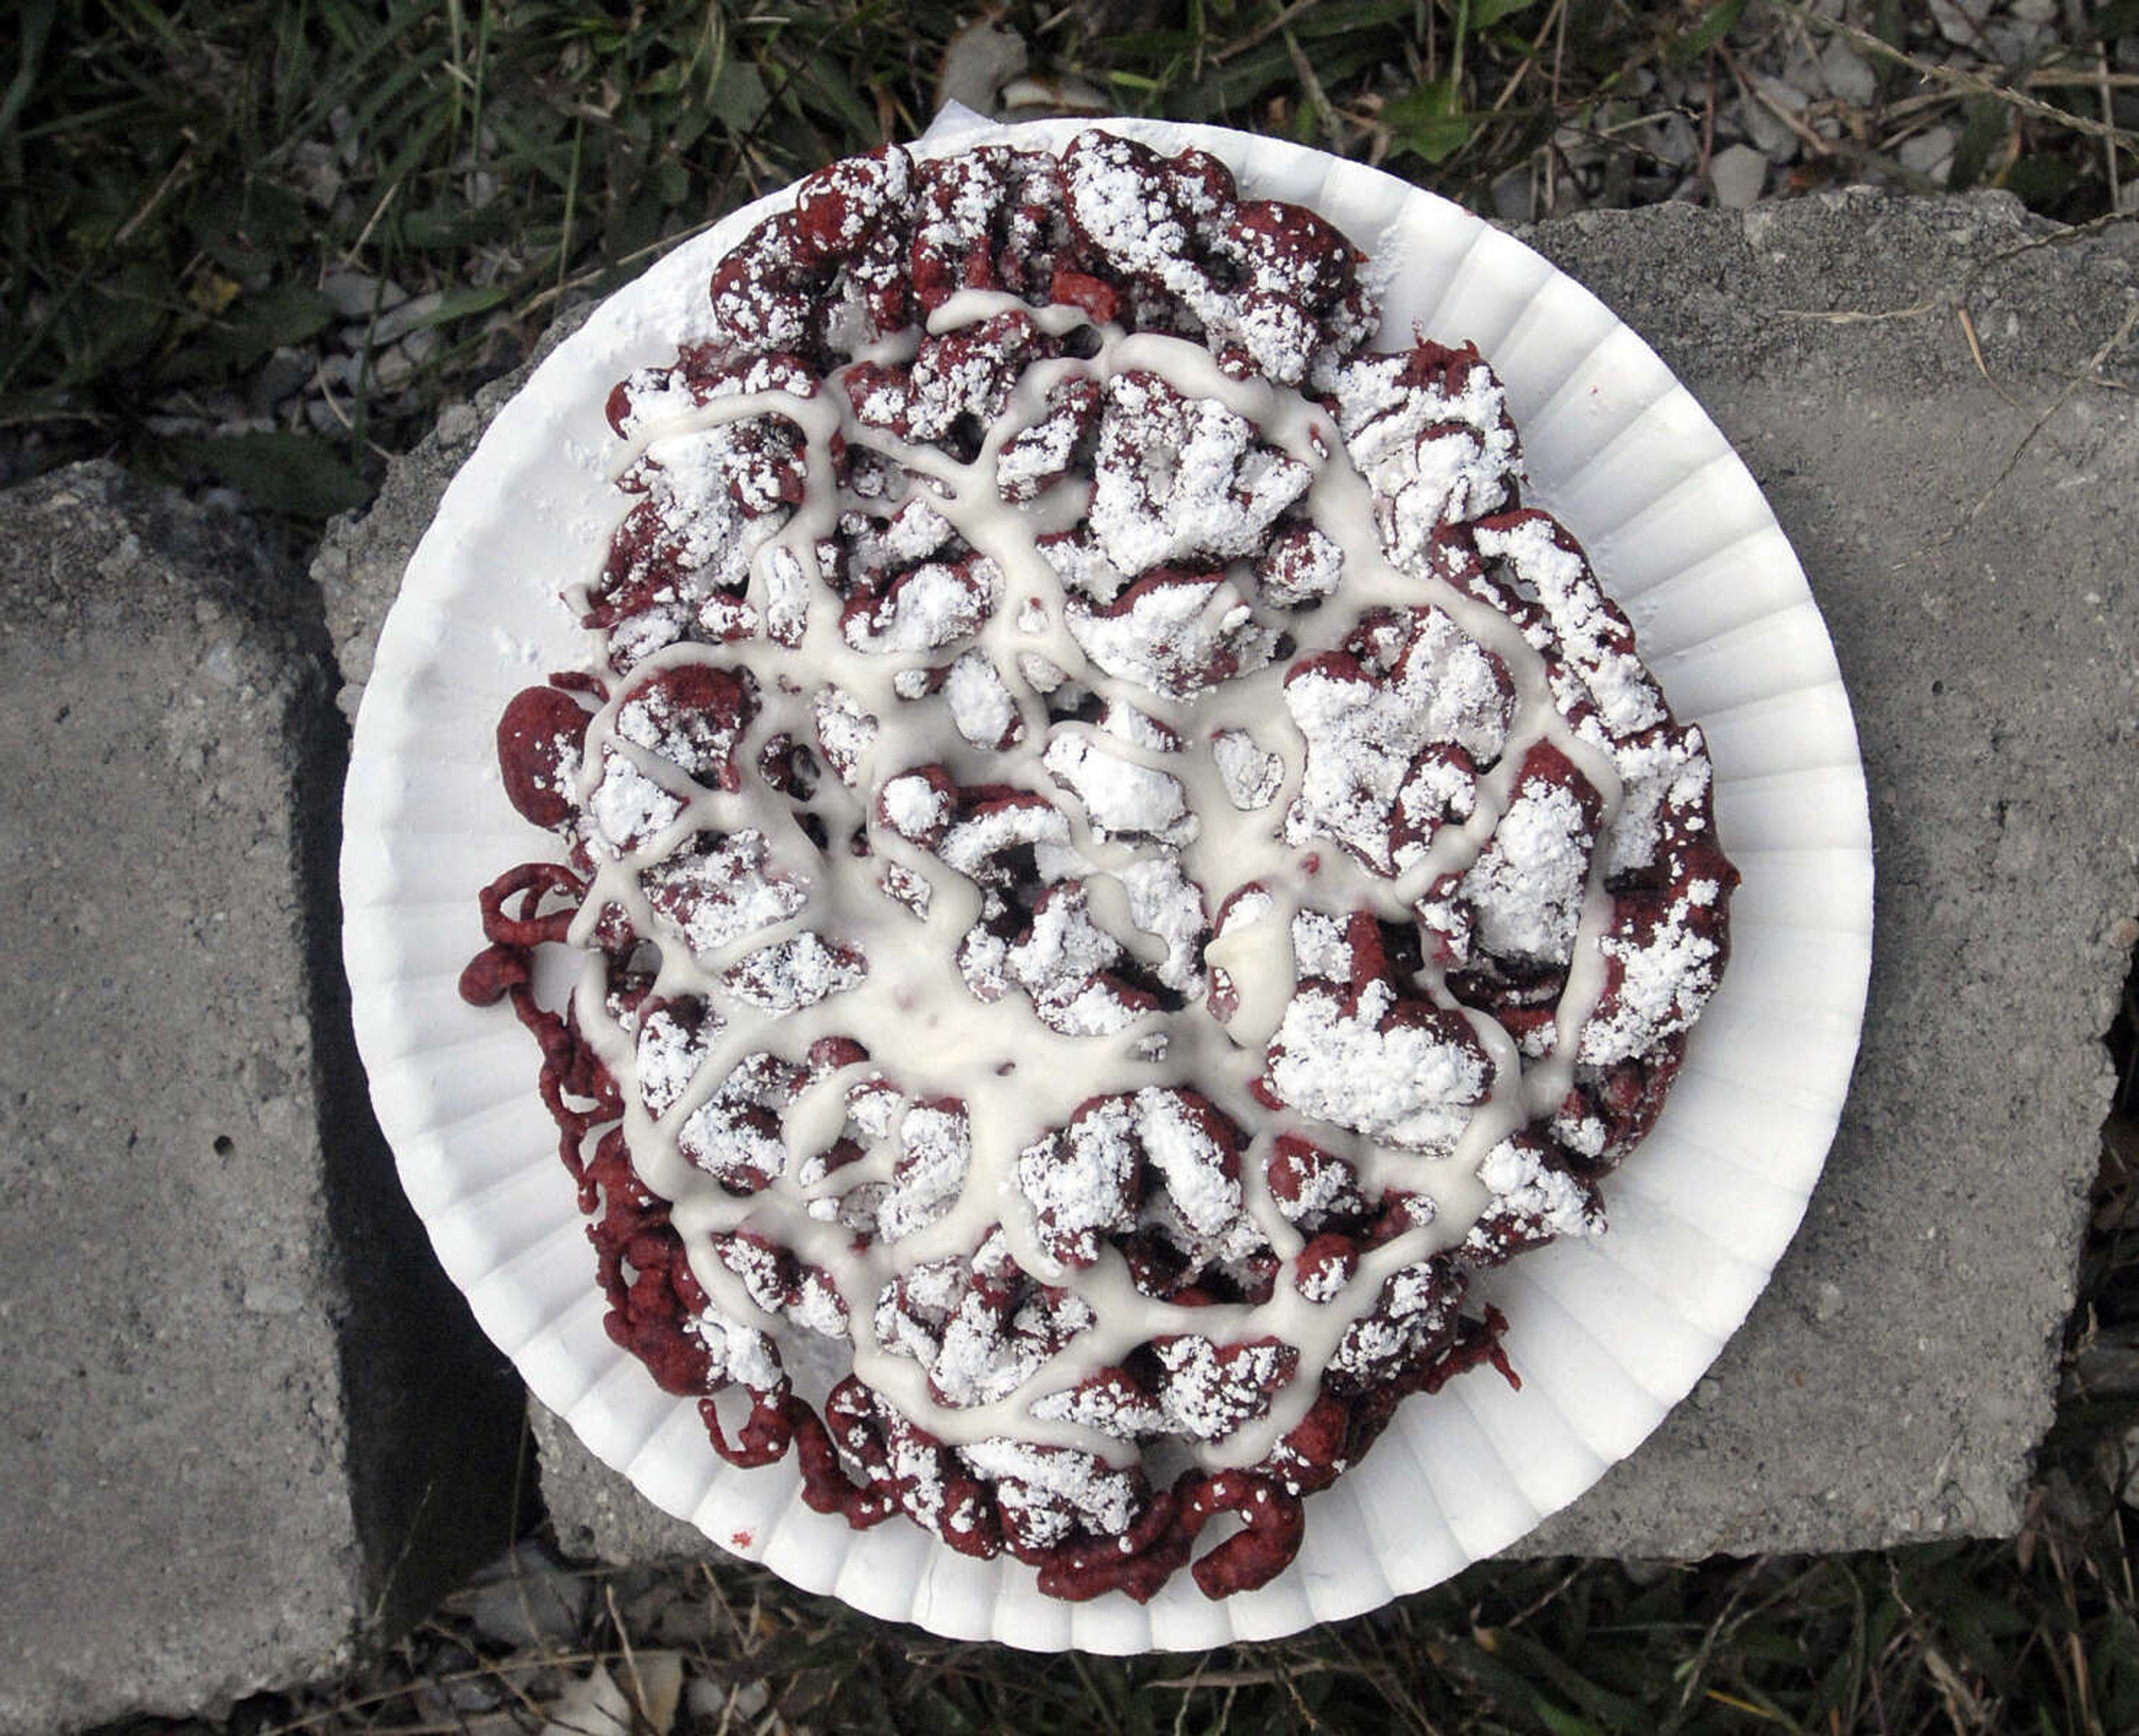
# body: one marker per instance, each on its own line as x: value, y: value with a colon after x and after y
x: 1609, y: 1335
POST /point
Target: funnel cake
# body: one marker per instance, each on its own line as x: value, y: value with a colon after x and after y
x: 1115, y: 863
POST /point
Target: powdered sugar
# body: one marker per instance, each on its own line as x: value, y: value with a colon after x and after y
x: 1432, y: 455
x: 935, y: 1150
x: 1208, y: 1393
x: 913, y: 806
x: 1174, y: 638
x: 1364, y: 729
x: 669, y: 1051
x: 1528, y: 885
x: 1406, y: 1082
x: 628, y: 808
x: 969, y: 827
x: 714, y: 898
x: 1051, y: 1488
x: 1252, y: 777
x: 1120, y: 796
x: 934, y: 605
x: 1660, y: 981
x: 793, y: 974
x: 1082, y: 1182
x: 1598, y: 642
x: 1525, y: 1186
x: 1197, y: 1170
x: 1181, y: 478
x: 981, y: 704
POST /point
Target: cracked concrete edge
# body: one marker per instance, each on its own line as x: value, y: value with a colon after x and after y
x: 434, y: 1466
x: 360, y: 559
x: 1891, y: 278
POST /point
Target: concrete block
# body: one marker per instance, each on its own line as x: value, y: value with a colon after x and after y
x: 241, y: 1425
x: 1974, y: 570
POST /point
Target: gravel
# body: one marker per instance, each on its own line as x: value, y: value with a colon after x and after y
x: 1738, y: 175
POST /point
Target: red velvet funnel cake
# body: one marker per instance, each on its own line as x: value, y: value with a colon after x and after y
x: 1115, y: 864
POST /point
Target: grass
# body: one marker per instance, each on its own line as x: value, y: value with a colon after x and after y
x: 185, y: 181
x: 188, y: 183
x: 191, y: 190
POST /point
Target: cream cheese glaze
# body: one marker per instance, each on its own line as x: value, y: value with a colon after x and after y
x: 1222, y: 839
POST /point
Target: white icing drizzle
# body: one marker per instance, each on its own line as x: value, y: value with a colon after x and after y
x: 1018, y: 1078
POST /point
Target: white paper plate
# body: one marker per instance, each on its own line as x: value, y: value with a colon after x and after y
x: 1608, y: 1335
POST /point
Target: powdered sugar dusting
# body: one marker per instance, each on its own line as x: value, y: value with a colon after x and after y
x: 1102, y: 591
x: 1404, y: 1080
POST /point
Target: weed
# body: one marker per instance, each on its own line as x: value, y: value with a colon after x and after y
x: 214, y: 208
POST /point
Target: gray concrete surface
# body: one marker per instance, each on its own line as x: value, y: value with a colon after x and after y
x: 598, y: 1515
x: 1977, y: 578
x: 1976, y: 571
x: 243, y: 1423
